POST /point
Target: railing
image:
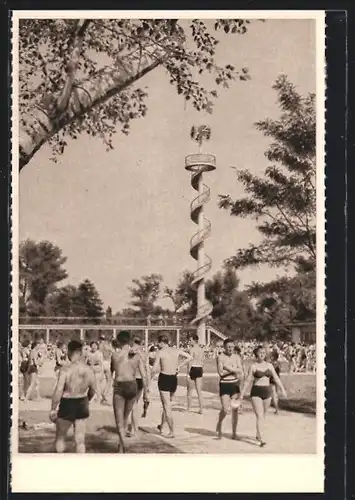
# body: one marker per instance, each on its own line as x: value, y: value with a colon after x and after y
x: 83, y: 328
x: 115, y: 320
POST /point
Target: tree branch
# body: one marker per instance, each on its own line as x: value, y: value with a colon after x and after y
x: 72, y: 65
x: 37, y: 127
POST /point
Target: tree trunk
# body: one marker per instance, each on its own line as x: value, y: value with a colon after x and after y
x: 39, y: 125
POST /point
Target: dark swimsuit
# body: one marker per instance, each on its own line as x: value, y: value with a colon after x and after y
x: 167, y: 383
x: 195, y: 372
x: 74, y: 408
x: 261, y: 391
x: 139, y: 384
x: 127, y: 389
x: 24, y: 366
x: 229, y: 387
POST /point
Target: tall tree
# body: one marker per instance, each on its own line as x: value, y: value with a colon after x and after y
x: 65, y: 301
x: 145, y: 293
x: 108, y: 313
x: 183, y: 297
x: 283, y: 200
x: 40, y: 270
x: 285, y: 300
x: 88, y: 300
x: 232, y: 312
x: 80, y: 75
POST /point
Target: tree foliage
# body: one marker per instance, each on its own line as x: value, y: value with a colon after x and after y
x: 64, y: 301
x: 233, y: 312
x: 40, y: 270
x: 145, y: 293
x: 89, y: 300
x: 81, y: 301
x: 108, y: 313
x: 80, y: 75
x: 183, y: 297
x: 283, y: 200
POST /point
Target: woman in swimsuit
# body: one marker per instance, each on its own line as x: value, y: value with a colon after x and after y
x: 260, y: 374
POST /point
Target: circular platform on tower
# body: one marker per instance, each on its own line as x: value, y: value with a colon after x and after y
x: 200, y: 162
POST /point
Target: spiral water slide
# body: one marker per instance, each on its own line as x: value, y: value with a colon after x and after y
x: 197, y: 164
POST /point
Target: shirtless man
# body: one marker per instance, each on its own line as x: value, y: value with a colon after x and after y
x: 95, y: 360
x: 105, y: 347
x: 70, y: 402
x: 125, y: 363
x: 167, y: 362
x: 137, y: 347
x: 195, y: 372
x: 230, y: 370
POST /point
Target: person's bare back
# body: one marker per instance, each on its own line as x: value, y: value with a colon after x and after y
x: 78, y: 378
x: 169, y: 360
x: 198, y: 355
x: 124, y: 364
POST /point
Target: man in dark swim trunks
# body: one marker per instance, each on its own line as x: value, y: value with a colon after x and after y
x: 167, y: 362
x: 230, y: 370
x: 137, y: 347
x: 74, y: 389
x: 195, y: 372
x: 125, y: 363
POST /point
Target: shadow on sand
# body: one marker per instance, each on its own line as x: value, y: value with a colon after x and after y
x: 205, y: 432
x: 104, y: 441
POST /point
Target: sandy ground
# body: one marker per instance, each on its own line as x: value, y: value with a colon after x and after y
x: 287, y: 432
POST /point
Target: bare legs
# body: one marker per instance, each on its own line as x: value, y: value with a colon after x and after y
x: 167, y: 415
x: 79, y: 435
x: 235, y: 416
x: 135, y: 414
x: 260, y: 407
x: 128, y: 412
x: 275, y: 398
x: 62, y: 428
x: 189, y: 392
x: 119, y: 410
x: 99, y: 377
x: 26, y: 384
x: 122, y: 409
x: 33, y: 385
x: 197, y: 384
x: 226, y: 409
x: 225, y: 402
x: 106, y: 385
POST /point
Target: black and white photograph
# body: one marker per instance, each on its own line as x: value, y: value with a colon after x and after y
x: 168, y: 250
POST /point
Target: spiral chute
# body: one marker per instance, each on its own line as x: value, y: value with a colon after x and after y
x: 199, y: 164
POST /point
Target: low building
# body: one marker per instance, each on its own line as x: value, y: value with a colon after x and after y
x: 303, y: 332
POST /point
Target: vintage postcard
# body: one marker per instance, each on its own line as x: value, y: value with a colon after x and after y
x: 168, y: 251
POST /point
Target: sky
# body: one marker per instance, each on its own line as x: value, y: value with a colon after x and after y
x: 123, y: 214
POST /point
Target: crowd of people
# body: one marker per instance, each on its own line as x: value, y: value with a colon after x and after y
x: 125, y: 368
x: 297, y: 356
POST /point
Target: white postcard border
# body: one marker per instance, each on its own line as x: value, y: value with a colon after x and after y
x: 174, y: 473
